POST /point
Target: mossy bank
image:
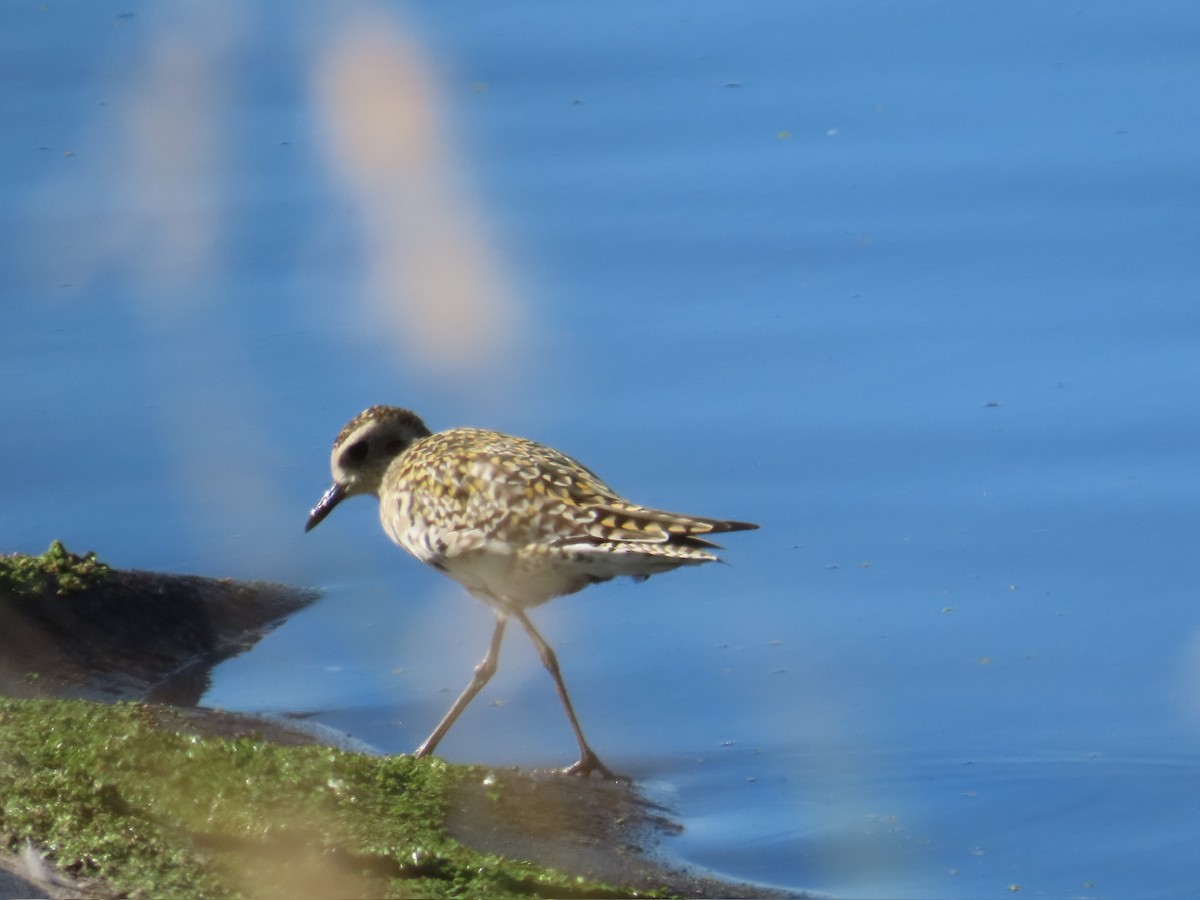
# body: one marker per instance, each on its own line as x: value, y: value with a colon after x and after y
x: 123, y: 800
x: 169, y: 799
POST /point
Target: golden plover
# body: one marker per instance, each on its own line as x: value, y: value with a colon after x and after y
x: 515, y: 522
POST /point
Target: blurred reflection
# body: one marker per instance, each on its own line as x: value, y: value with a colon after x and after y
x: 435, y: 284
x: 173, y: 167
x: 167, y: 161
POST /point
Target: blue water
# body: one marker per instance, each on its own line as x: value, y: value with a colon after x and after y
x: 913, y: 286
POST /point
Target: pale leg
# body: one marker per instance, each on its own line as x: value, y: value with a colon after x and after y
x: 588, y: 761
x: 484, y: 671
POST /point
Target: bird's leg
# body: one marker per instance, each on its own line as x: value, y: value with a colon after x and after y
x: 588, y: 760
x: 484, y: 671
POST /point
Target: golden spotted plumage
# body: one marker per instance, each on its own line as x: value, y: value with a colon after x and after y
x: 461, y: 490
x: 514, y: 521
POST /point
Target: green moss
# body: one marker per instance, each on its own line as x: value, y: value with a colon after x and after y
x: 109, y: 792
x: 57, y: 571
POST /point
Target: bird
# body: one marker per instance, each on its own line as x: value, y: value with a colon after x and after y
x: 515, y: 522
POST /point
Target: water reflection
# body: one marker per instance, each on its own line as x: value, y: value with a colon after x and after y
x: 436, y: 287
x: 161, y: 171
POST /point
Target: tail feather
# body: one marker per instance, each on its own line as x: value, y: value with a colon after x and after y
x: 619, y: 538
x: 616, y: 520
x: 623, y: 539
x: 612, y: 559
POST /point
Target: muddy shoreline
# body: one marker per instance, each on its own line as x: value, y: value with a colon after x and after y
x: 153, y: 638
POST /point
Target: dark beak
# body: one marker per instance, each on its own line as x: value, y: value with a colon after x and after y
x: 325, y: 505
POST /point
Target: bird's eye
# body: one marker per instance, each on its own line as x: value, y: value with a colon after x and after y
x: 355, y: 453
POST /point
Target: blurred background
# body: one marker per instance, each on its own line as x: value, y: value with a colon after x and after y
x: 912, y: 285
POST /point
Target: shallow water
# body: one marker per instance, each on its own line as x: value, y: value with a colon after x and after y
x: 913, y: 287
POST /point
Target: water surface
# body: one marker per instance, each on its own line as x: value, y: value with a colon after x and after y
x: 911, y: 286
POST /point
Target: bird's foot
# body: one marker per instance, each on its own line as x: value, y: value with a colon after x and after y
x: 588, y: 763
